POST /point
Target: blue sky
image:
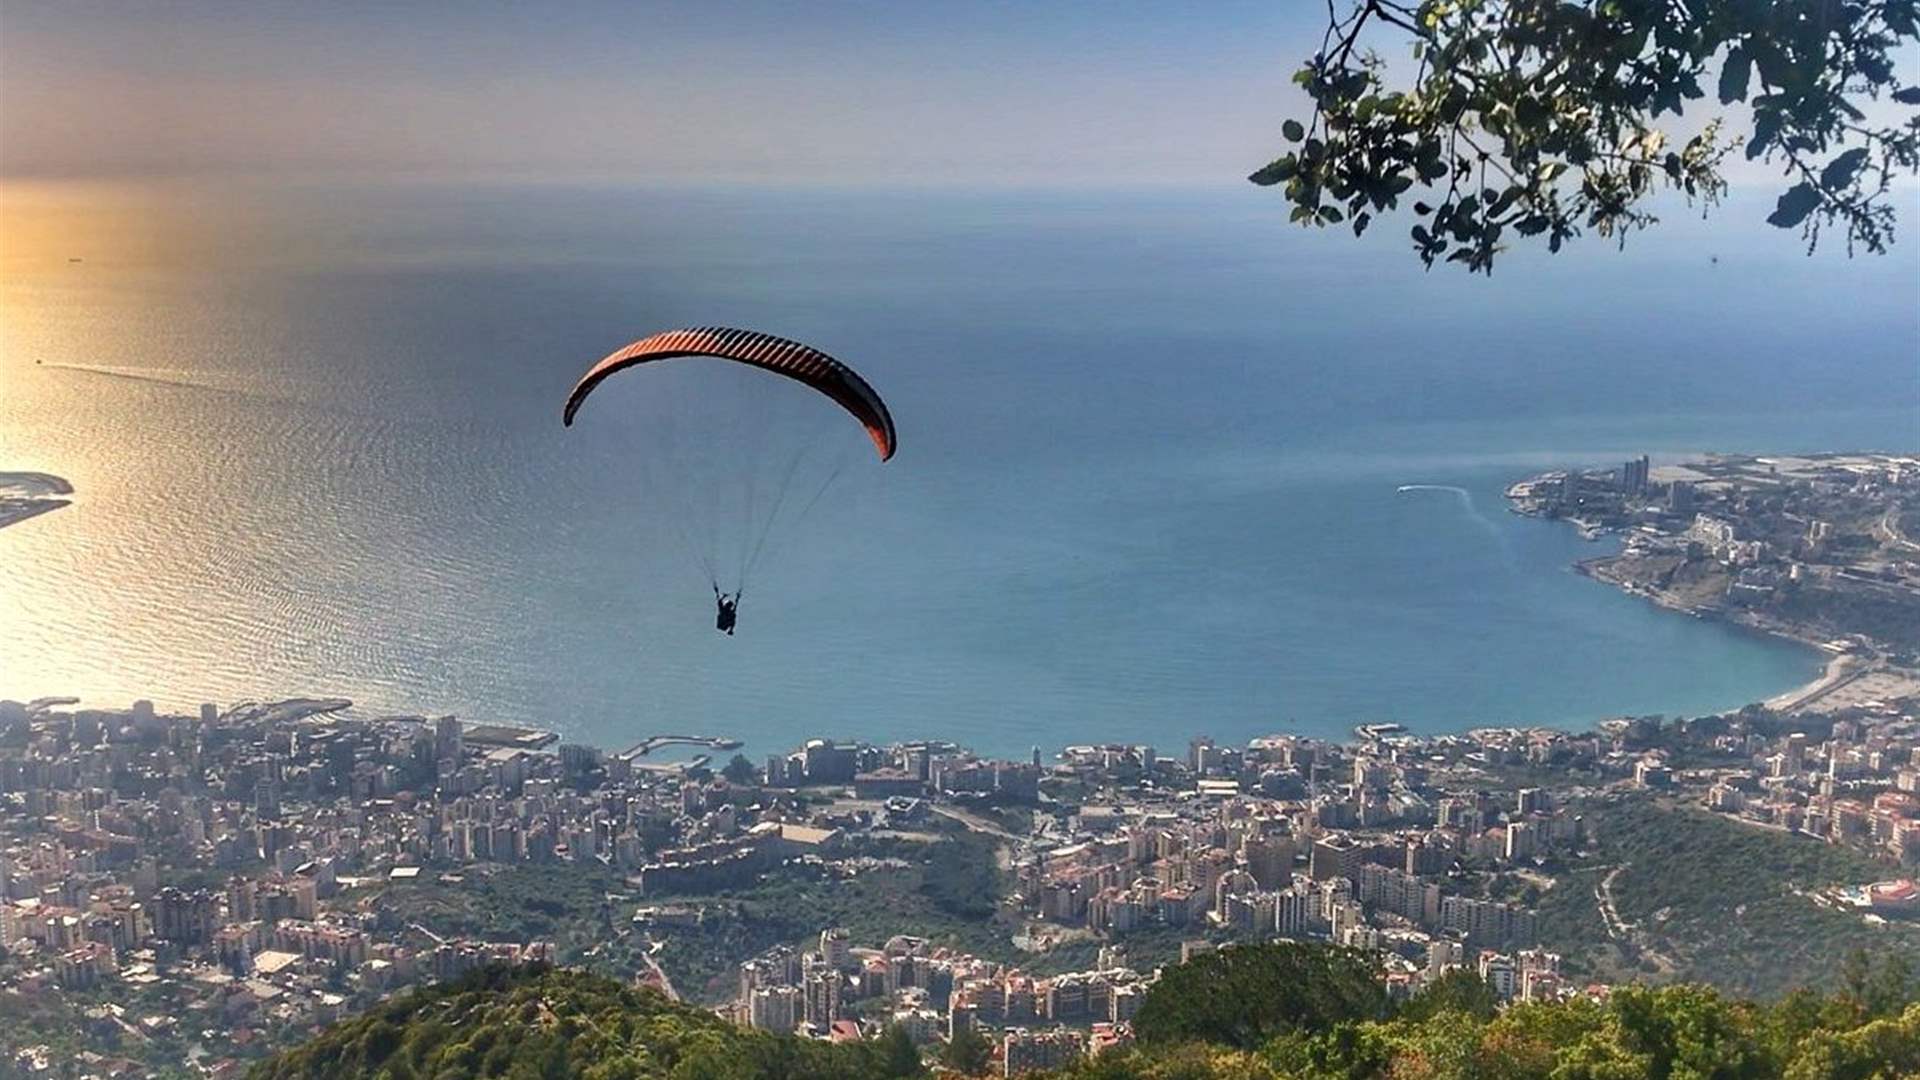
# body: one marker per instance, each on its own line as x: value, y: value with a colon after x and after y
x: 965, y: 93
x: 838, y: 92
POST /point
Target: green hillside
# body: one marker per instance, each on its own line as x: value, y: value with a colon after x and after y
x: 545, y: 1024
x: 1277, y: 1013
x: 1266, y: 1012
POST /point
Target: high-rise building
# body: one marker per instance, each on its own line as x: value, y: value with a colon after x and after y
x: 1633, y: 474
x: 1026, y: 1051
x: 1333, y: 856
x: 829, y: 763
x: 774, y: 1008
x: 184, y: 918
x: 1444, y: 954
x: 822, y: 1004
x: 1522, y: 840
x: 266, y: 799
x: 1487, y: 922
x: 836, y: 948
x: 1498, y: 971
x: 1295, y: 913
x: 1203, y: 756
x: 448, y: 742
x: 1269, y: 859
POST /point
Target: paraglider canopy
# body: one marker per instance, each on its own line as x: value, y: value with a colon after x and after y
x: 739, y: 457
x: 801, y: 363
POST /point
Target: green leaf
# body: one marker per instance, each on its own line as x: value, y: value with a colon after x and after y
x: 1293, y: 131
x: 1794, y: 206
x: 1900, y: 16
x: 1275, y: 171
x: 1734, y: 76
x: 1331, y: 215
x: 1908, y: 96
x: 1300, y: 213
x: 1841, y: 170
x: 1766, y: 125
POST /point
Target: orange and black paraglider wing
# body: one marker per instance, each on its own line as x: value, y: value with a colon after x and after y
x: 801, y: 363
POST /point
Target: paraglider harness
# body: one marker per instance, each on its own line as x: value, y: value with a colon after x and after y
x: 728, y: 611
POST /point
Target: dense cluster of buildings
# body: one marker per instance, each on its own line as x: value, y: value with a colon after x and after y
x: 844, y: 991
x: 1323, y: 857
x: 1801, y: 545
x: 908, y: 770
x: 229, y: 880
x: 235, y: 876
x: 1385, y: 845
x: 1848, y: 779
x: 225, y: 878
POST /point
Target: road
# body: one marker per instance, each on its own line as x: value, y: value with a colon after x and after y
x: 1603, y: 895
x: 977, y: 823
x: 1889, y: 530
x: 666, y: 984
x: 1620, y: 929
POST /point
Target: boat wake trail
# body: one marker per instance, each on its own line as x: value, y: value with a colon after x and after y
x: 1466, y: 503
x: 1460, y: 491
x: 181, y: 379
x: 148, y: 375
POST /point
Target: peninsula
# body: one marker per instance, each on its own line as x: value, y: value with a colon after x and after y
x: 26, y: 494
x: 1816, y: 548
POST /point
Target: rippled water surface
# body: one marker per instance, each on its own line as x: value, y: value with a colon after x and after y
x: 1151, y: 447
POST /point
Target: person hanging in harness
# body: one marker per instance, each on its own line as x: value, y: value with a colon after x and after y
x: 729, y: 611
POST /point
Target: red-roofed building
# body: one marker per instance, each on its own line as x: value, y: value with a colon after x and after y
x: 1894, y: 896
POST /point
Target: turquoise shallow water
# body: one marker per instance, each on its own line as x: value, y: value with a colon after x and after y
x: 1147, y: 485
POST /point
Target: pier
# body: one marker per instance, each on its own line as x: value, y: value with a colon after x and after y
x: 654, y: 742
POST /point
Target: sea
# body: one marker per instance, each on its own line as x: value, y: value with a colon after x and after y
x: 1152, y: 446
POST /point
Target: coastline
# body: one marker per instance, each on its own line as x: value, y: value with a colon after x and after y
x: 1839, y: 670
x: 1654, y: 564
x: 25, y: 495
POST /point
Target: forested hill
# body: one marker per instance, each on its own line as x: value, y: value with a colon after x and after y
x: 1297, y: 1012
x: 534, y: 1023
x: 1266, y: 1012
